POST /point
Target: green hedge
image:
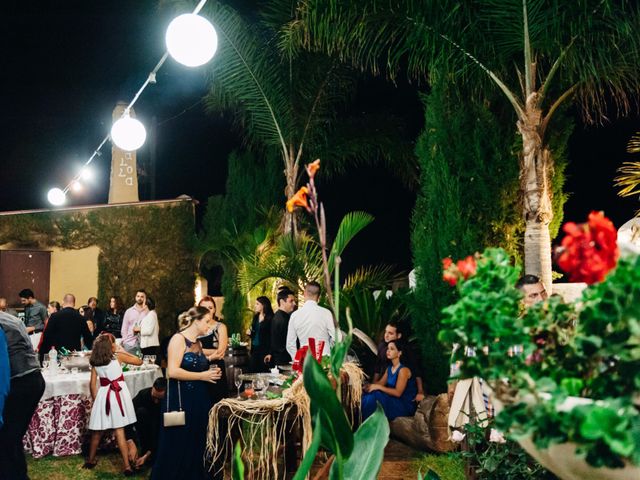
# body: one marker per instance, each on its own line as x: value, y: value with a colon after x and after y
x: 141, y: 246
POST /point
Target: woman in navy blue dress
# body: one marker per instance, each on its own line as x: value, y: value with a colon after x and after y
x: 396, y: 389
x: 181, y: 449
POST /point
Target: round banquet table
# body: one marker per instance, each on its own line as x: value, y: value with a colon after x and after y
x: 60, y: 421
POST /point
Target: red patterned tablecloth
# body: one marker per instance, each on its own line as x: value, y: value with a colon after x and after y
x: 59, y: 424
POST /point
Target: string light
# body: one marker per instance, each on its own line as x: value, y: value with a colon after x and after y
x: 128, y: 133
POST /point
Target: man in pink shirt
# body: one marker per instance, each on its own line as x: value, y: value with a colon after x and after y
x: 131, y: 320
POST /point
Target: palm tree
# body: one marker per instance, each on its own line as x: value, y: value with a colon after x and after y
x: 628, y: 179
x: 540, y: 54
x: 288, y: 100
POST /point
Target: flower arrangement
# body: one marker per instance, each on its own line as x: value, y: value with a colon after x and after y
x: 576, y: 384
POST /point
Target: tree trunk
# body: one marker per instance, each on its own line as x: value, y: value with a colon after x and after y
x: 290, y: 220
x: 535, y: 171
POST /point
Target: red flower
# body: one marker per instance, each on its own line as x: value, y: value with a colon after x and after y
x: 589, y: 250
x: 467, y: 267
x: 450, y: 277
x: 299, y: 199
x: 446, y: 263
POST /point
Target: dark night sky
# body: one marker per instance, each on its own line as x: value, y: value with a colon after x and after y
x: 66, y: 64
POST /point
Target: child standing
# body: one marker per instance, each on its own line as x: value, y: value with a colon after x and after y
x: 112, y: 404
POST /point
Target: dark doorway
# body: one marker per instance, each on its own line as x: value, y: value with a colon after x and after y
x: 24, y: 269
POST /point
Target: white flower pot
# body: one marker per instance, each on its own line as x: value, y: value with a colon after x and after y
x: 563, y: 461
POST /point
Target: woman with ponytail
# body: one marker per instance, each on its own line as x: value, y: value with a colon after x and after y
x: 181, y: 448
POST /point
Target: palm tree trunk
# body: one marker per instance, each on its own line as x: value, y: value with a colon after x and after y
x: 535, y: 170
x: 290, y: 220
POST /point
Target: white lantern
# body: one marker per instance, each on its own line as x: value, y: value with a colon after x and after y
x: 128, y: 133
x: 191, y: 40
x: 56, y: 197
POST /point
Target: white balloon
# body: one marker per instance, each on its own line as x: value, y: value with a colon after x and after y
x: 56, y: 197
x: 191, y: 40
x: 128, y: 133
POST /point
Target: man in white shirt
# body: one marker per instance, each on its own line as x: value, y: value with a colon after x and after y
x: 310, y: 321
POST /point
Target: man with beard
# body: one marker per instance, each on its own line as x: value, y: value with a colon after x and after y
x: 278, y: 354
x: 131, y: 322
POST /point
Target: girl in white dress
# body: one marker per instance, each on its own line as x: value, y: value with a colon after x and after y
x: 112, y: 404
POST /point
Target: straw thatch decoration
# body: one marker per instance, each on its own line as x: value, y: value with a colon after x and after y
x: 262, y: 425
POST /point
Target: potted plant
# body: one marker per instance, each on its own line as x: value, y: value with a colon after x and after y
x: 567, y: 375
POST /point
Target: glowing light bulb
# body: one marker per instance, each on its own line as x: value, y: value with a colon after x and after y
x: 191, y: 40
x: 76, y: 186
x: 86, y: 173
x: 56, y: 197
x: 128, y: 133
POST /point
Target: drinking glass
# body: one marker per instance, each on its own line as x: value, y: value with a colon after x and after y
x: 152, y: 359
x: 237, y: 380
x: 250, y: 390
x: 146, y: 359
x: 260, y: 387
x: 45, y: 363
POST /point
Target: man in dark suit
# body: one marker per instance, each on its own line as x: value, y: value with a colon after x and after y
x: 65, y: 328
x: 278, y: 354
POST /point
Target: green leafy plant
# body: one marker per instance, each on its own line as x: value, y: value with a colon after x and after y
x: 592, y: 352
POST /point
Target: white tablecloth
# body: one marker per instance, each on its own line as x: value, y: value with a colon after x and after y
x: 70, y: 384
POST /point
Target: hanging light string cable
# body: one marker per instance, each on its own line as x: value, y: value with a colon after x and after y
x: 151, y: 78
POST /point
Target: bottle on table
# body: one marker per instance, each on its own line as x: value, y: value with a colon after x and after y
x: 53, y: 361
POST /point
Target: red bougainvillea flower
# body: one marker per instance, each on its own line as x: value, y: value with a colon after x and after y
x: 589, y: 250
x: 446, y: 263
x: 299, y: 199
x: 312, y: 168
x: 467, y: 267
x: 450, y: 277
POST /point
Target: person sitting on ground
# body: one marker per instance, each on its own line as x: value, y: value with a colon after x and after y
x: 532, y: 289
x: 34, y: 311
x: 112, y: 404
x: 392, y: 331
x: 395, y: 391
x: 146, y: 430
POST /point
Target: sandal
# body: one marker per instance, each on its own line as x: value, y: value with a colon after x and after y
x: 89, y: 465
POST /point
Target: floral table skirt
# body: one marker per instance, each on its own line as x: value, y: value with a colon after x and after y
x: 58, y: 426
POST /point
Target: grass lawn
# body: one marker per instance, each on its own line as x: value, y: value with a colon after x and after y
x: 70, y: 468
x: 447, y: 466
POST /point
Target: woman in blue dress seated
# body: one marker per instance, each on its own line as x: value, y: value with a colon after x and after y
x: 396, y: 389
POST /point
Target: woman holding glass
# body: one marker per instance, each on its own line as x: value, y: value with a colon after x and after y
x: 214, y: 343
x: 181, y: 448
x: 260, y: 334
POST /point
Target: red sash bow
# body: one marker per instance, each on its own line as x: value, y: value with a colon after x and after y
x: 316, y: 352
x: 114, y: 385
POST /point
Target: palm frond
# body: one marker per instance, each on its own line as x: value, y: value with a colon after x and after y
x: 628, y: 180
x: 248, y: 78
x: 352, y: 223
x: 370, y: 277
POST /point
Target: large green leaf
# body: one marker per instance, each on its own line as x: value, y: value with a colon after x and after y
x: 237, y: 467
x: 325, y: 401
x: 312, y: 451
x: 368, y: 449
x: 352, y: 223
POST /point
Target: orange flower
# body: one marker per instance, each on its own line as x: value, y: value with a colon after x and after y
x: 467, y: 267
x: 446, y: 263
x: 312, y: 168
x: 299, y: 199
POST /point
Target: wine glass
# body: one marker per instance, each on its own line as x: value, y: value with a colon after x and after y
x: 45, y: 364
x: 152, y: 359
x: 237, y: 380
x: 260, y: 387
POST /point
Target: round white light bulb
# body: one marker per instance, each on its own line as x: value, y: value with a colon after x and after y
x: 128, y: 133
x: 76, y: 186
x: 86, y: 173
x: 56, y: 197
x: 191, y: 40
